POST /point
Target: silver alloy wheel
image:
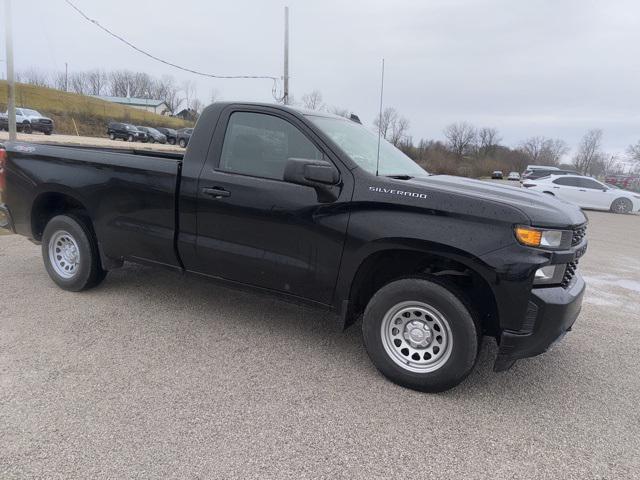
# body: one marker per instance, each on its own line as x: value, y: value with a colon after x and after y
x: 622, y: 205
x: 64, y: 254
x: 416, y: 336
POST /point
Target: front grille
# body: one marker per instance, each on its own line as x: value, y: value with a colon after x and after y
x: 578, y: 234
x: 569, y: 273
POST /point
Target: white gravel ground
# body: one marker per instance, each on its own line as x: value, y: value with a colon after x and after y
x: 158, y: 375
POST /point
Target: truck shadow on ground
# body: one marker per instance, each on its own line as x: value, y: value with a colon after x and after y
x: 187, y: 298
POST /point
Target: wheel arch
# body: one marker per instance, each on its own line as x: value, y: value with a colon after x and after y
x: 393, y: 260
x: 53, y: 201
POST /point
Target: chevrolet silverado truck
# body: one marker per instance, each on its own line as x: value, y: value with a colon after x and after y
x: 310, y: 207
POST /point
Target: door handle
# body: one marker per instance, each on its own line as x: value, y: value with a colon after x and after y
x: 216, y: 192
x: 582, y: 190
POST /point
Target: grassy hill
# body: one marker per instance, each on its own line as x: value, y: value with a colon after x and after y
x: 91, y: 115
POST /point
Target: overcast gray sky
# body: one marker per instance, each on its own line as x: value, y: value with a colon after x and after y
x: 553, y: 68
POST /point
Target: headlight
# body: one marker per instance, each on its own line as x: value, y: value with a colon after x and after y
x: 536, y: 237
x: 551, y: 274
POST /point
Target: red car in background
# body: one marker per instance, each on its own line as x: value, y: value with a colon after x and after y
x: 626, y: 182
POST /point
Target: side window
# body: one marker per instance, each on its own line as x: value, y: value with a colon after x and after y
x: 259, y: 144
x: 566, y: 181
x: 592, y: 184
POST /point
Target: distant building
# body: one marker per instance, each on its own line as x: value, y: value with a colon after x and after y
x: 188, y: 114
x: 148, y: 104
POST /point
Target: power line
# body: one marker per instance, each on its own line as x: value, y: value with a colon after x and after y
x: 179, y: 67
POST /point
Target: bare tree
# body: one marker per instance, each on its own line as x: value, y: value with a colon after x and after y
x: 79, y: 83
x: 96, y: 82
x: 399, y: 130
x: 633, y: 151
x: 34, y: 76
x: 555, y: 149
x: 588, y: 151
x: 189, y: 90
x: 384, y: 122
x: 167, y: 91
x: 610, y: 164
x: 544, y: 151
x: 120, y: 83
x: 488, y: 141
x: 59, y: 81
x: 461, y: 138
x: 313, y: 100
x: 532, y: 148
x: 197, y: 105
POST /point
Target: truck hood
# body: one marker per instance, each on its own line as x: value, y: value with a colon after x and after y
x: 542, y: 209
x: 34, y: 118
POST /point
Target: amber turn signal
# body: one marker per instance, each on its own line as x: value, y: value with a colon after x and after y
x: 529, y: 236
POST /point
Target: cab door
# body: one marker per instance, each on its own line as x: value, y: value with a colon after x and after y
x: 568, y: 188
x: 253, y: 227
x: 595, y: 194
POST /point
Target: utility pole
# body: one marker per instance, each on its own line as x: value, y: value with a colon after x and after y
x: 66, y: 77
x: 285, y: 97
x: 11, y: 104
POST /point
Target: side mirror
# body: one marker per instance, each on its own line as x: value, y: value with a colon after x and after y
x: 312, y: 173
x: 318, y: 174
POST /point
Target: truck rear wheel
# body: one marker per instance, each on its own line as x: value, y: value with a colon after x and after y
x: 70, y: 254
x: 419, y: 334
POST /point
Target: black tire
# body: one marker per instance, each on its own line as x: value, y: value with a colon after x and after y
x: 26, y: 127
x: 182, y: 142
x: 463, y: 330
x: 89, y: 272
x: 621, y: 205
x: 48, y: 132
x: 172, y: 141
x: 112, y: 136
x: 152, y: 140
x: 130, y: 138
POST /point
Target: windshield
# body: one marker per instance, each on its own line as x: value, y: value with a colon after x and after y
x: 362, y: 147
x: 28, y: 111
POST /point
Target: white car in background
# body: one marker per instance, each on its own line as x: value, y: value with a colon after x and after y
x: 586, y: 193
x: 513, y: 176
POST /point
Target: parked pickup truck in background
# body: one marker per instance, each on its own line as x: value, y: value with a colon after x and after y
x: 300, y: 204
x: 27, y: 121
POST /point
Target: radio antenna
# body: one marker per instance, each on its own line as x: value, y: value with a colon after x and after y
x: 380, y: 119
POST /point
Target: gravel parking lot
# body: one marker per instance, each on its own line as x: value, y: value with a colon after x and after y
x: 158, y: 375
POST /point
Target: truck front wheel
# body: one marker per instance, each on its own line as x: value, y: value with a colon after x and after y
x: 70, y: 254
x: 419, y: 334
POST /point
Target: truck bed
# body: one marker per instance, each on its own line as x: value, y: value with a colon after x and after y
x: 129, y: 194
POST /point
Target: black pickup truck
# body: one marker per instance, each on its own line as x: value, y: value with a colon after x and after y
x: 301, y: 204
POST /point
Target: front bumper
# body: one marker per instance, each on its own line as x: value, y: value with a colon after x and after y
x: 42, y: 127
x: 5, y: 218
x: 551, y: 313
